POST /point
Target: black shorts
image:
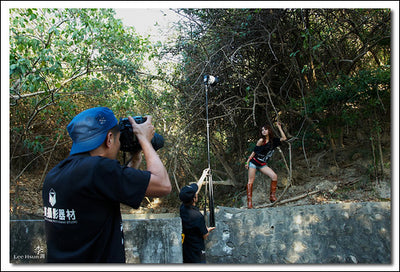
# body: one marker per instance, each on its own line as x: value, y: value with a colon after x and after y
x: 193, y: 256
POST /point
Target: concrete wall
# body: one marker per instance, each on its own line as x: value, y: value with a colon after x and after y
x: 146, y: 240
x: 153, y: 241
x: 27, y: 241
x: 318, y: 234
x: 314, y: 234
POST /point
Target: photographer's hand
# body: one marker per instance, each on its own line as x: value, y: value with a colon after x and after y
x: 159, y: 184
x: 144, y: 131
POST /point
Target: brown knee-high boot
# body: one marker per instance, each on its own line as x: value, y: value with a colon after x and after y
x: 249, y: 196
x: 272, y: 196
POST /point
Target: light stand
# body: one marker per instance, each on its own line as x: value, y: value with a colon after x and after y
x: 208, y: 81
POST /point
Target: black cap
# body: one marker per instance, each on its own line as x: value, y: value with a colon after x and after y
x: 188, y: 192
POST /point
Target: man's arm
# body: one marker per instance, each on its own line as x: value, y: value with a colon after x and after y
x: 136, y: 160
x: 159, y: 184
x: 201, y: 180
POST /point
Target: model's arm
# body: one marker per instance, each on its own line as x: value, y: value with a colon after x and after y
x: 159, y: 184
x: 283, y: 136
x: 260, y: 142
x: 249, y: 159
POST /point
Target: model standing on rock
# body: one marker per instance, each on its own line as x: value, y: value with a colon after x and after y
x: 258, y: 159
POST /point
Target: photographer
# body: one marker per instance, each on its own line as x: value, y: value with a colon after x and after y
x: 82, y: 194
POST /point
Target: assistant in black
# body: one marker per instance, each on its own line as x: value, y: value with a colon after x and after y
x: 193, y: 226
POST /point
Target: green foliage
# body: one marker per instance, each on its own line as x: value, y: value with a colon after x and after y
x: 321, y: 72
x: 60, y: 46
x: 351, y: 99
x: 63, y: 61
x: 36, y: 145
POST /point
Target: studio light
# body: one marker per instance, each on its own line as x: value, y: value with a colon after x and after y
x: 210, y: 80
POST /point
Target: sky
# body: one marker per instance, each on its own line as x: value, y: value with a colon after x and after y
x: 148, y: 21
x: 156, y: 23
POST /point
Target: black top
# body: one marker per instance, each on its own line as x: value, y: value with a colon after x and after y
x: 81, y: 198
x: 264, y: 152
x: 193, y: 227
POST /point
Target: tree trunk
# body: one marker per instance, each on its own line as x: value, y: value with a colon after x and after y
x: 217, y: 151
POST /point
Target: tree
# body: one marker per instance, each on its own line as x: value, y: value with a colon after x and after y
x: 61, y: 62
x: 279, y: 64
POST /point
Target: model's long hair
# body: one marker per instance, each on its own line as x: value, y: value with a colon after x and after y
x: 270, y: 132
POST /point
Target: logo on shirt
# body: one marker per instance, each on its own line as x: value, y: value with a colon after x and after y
x: 52, y: 197
x: 58, y: 215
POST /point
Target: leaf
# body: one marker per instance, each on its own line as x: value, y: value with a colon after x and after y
x: 293, y: 54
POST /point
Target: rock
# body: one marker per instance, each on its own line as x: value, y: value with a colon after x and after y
x: 326, y: 186
x: 383, y: 190
x: 356, y: 156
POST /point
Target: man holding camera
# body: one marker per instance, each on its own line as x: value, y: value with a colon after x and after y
x: 82, y: 194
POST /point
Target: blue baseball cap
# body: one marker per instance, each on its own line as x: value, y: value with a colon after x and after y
x: 188, y: 192
x: 88, y: 129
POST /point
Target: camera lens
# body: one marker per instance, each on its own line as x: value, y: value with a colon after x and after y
x: 157, y: 141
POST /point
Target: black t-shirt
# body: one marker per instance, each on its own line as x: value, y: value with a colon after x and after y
x: 193, y: 227
x: 264, y: 152
x: 81, y: 198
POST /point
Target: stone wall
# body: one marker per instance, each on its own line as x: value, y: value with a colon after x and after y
x: 153, y: 241
x: 313, y: 234
x: 146, y: 241
x: 27, y: 241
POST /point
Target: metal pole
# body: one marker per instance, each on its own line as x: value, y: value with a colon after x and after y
x: 209, y: 176
x: 208, y: 129
x: 211, y: 203
x: 205, y: 201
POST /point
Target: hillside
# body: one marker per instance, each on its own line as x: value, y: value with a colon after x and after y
x: 323, y: 182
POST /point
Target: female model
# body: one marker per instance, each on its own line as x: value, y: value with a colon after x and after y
x: 263, y: 150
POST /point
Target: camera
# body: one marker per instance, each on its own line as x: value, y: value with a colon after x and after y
x: 128, y: 140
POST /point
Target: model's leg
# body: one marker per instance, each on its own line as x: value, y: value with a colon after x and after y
x: 274, y: 181
x: 252, y: 176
